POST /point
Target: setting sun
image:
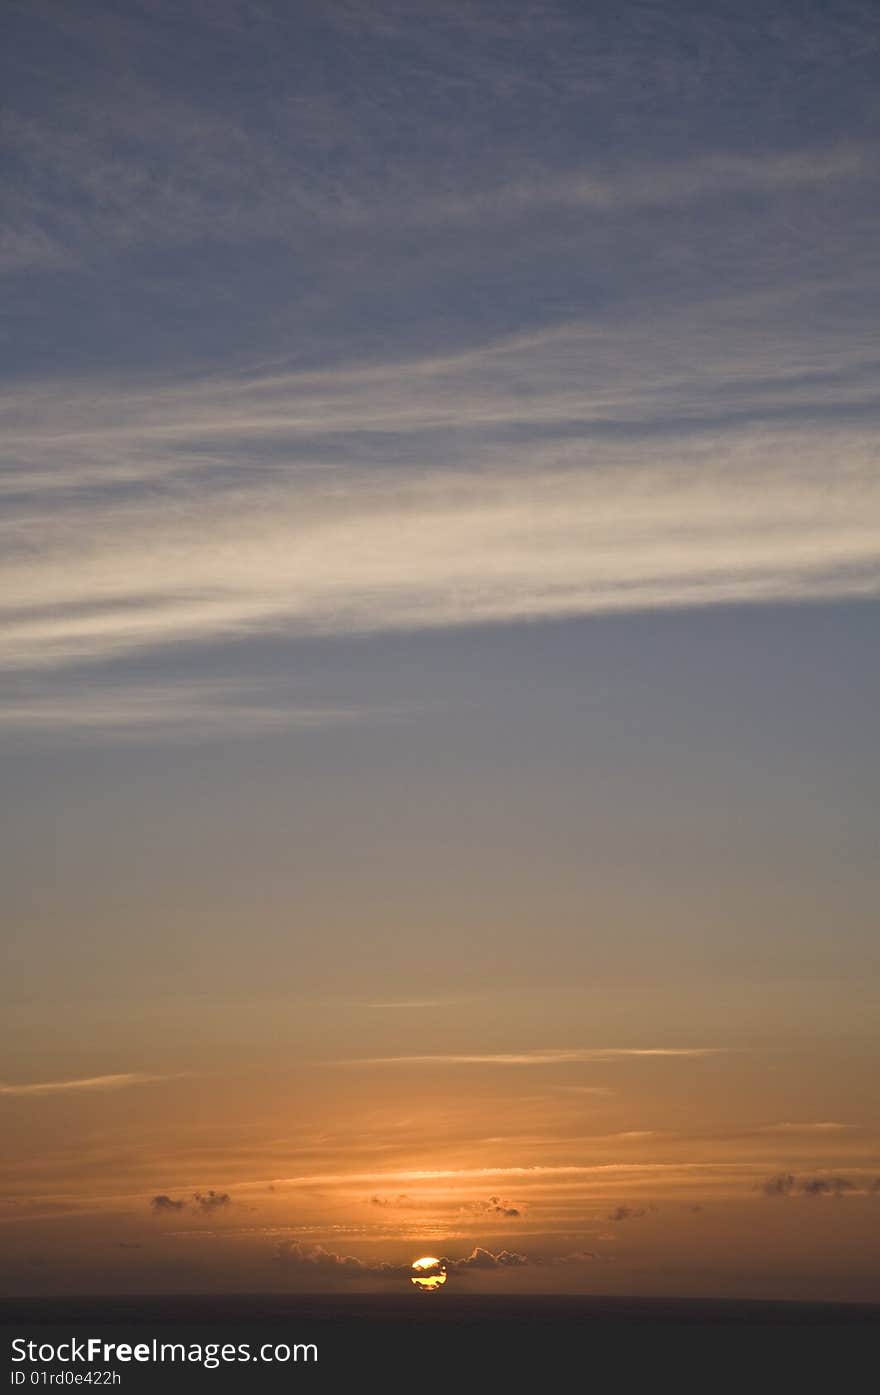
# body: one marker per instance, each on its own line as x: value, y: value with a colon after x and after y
x: 428, y: 1273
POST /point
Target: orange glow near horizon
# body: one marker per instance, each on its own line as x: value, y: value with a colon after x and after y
x: 665, y: 1173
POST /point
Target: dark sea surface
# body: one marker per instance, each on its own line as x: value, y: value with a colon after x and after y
x: 411, y: 1341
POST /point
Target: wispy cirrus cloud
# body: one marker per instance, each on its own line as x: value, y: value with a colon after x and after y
x: 223, y: 182
x: 583, y: 469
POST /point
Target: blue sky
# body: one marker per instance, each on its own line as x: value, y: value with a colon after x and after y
x: 363, y: 318
x: 387, y: 381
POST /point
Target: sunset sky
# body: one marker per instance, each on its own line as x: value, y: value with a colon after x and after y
x: 439, y: 581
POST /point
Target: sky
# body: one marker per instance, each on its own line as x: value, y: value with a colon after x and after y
x: 439, y: 580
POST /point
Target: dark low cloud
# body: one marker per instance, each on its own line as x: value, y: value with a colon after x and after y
x: 628, y: 1213
x: 495, y: 1206
x: 313, y: 1259
x: 781, y: 1185
x: 827, y: 1186
x: 510, y: 1259
x: 484, y: 1259
x: 211, y: 1201
x: 786, y: 1184
x: 498, y: 1207
x: 204, y: 1202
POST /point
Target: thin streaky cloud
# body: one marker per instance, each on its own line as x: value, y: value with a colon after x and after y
x: 526, y: 1172
x: 539, y: 1058
x: 598, y: 1090
x: 87, y: 1083
x: 819, y: 1127
x: 661, y: 185
x: 191, y: 710
x: 419, y: 1003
